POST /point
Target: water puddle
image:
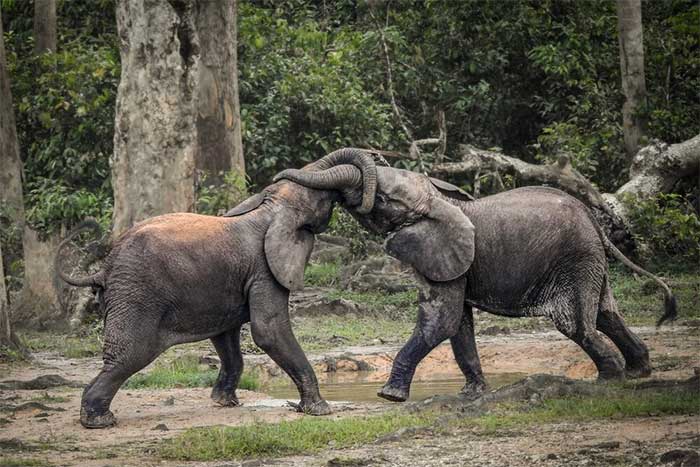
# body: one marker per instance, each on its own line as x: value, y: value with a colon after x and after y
x: 362, y: 386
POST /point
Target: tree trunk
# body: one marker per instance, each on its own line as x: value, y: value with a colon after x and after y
x: 630, y: 33
x: 44, y: 26
x: 655, y: 169
x: 155, y: 137
x: 177, y: 104
x: 11, y: 203
x: 10, y: 186
x: 220, y: 147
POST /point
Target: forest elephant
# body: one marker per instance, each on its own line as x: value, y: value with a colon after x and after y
x: 183, y: 277
x: 532, y: 251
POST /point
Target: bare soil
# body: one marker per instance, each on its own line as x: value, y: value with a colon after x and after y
x: 52, y: 431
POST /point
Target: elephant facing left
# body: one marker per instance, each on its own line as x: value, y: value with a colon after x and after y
x: 183, y: 277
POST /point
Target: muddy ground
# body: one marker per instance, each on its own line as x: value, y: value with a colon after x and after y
x: 43, y: 424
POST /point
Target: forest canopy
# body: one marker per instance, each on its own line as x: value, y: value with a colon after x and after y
x: 533, y: 80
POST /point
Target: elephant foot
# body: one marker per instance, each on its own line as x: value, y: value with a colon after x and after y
x: 635, y: 372
x: 93, y: 420
x: 317, y: 408
x: 612, y: 374
x: 474, y: 389
x: 393, y: 394
x: 224, y: 398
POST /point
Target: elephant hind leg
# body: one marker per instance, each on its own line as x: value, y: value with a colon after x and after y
x: 578, y: 326
x: 610, y: 323
x: 126, y: 351
x: 464, y: 349
x: 228, y: 347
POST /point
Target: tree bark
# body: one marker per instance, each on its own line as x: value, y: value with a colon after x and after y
x: 220, y: 146
x: 155, y: 137
x: 630, y: 33
x: 10, y: 186
x: 10, y: 165
x: 655, y: 169
x: 177, y: 104
x: 44, y: 26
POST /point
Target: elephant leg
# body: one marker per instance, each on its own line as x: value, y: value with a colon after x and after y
x: 440, y: 310
x: 272, y: 332
x: 228, y: 347
x: 577, y: 323
x: 464, y: 349
x: 610, y: 323
x: 127, y: 349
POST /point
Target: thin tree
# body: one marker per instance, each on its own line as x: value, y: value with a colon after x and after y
x: 630, y: 33
x: 44, y: 26
x: 177, y: 104
x: 10, y: 185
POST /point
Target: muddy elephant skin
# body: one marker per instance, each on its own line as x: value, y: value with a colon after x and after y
x: 531, y: 251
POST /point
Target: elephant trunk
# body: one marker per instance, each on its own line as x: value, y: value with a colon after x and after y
x: 319, y: 172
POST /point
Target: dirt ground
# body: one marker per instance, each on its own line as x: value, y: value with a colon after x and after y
x: 52, y: 431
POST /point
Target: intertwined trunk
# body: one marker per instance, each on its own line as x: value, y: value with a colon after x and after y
x: 44, y: 26
x: 630, y: 32
x: 177, y: 104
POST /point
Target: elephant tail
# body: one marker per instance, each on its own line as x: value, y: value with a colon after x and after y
x: 95, y: 280
x: 670, y: 305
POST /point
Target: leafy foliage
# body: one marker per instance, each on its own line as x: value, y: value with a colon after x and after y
x: 216, y: 198
x: 669, y: 225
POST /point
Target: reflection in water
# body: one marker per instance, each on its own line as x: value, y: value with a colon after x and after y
x: 362, y: 386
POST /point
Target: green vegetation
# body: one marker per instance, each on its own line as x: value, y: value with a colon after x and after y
x: 613, y: 406
x: 184, y: 372
x: 23, y: 462
x: 68, y: 346
x: 304, y: 435
x: 391, y: 305
x: 308, y: 434
x: 323, y: 274
x: 316, y: 334
x: 49, y: 399
x: 641, y: 302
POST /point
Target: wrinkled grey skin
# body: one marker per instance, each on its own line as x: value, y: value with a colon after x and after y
x: 526, y: 252
x: 184, y: 277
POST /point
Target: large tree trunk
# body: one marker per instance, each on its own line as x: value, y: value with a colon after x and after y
x: 44, y: 26
x: 8, y: 339
x: 220, y: 147
x: 655, y: 169
x: 177, y: 104
x: 630, y: 33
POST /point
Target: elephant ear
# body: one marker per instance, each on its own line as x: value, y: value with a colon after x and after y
x: 450, y: 190
x: 246, y: 206
x: 288, y: 248
x: 440, y: 246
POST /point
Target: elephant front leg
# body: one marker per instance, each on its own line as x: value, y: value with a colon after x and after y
x: 228, y: 347
x: 440, y: 310
x: 464, y: 349
x: 272, y: 332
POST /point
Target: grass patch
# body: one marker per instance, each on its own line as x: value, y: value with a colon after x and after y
x: 310, y: 434
x: 616, y: 406
x: 641, y: 301
x: 184, y: 372
x: 305, y: 435
x: 391, y: 305
x: 68, y: 346
x: 322, y: 275
x: 23, y: 462
x: 316, y: 334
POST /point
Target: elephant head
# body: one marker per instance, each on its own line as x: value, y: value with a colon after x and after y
x: 422, y: 227
x: 297, y: 211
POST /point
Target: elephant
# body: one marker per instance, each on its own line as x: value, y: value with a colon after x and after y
x: 183, y: 277
x: 530, y: 251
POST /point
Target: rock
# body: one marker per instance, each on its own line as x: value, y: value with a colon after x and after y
x: 322, y: 306
x: 40, y: 382
x: 161, y: 427
x: 345, y: 363
x: 681, y: 457
x: 329, y: 254
x: 211, y: 360
x: 169, y: 401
